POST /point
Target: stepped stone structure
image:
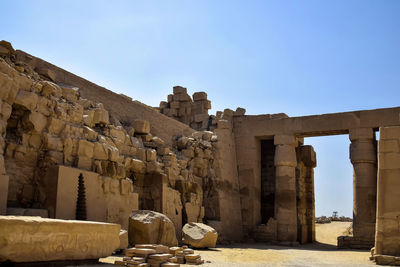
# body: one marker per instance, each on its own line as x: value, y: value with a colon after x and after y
x: 250, y: 177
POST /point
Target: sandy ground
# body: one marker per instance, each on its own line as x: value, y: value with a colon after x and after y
x: 321, y: 253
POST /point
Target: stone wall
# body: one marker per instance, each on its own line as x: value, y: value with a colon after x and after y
x: 45, y: 126
x: 387, y: 237
x: 181, y: 107
x: 121, y: 108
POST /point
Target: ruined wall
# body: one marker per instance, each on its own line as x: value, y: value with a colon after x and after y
x: 181, y: 107
x: 45, y: 125
x: 387, y: 236
x: 229, y: 221
x: 120, y: 107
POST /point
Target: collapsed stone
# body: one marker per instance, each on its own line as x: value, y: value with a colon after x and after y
x: 150, y: 227
x: 199, y: 235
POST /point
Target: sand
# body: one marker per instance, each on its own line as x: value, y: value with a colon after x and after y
x: 321, y: 253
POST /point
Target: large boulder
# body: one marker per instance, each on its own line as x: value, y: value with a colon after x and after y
x: 29, y: 239
x: 199, y: 235
x: 150, y: 227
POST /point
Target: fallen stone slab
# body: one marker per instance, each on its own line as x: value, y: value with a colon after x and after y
x: 33, y: 239
x: 199, y: 235
x: 150, y: 227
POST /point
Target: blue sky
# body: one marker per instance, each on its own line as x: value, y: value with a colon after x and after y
x: 297, y: 57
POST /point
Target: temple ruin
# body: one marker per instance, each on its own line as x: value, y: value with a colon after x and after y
x: 70, y: 149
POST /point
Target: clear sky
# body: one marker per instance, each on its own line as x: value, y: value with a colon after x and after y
x: 297, y: 57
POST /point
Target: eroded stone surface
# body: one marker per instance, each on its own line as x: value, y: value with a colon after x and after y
x: 28, y: 239
x: 199, y: 235
x: 150, y: 227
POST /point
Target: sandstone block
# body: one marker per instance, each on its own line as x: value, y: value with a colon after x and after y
x: 38, y: 120
x: 126, y: 186
x: 284, y: 140
x: 141, y: 126
x: 223, y: 124
x: 175, y: 105
x: 113, y: 153
x: 151, y: 155
x: 50, y: 89
x: 138, y: 166
x: 55, y: 126
x: 201, y: 117
x: 89, y: 133
x: 150, y: 227
x: 52, y: 143
x: 32, y: 239
x: 182, y: 98
x: 199, y: 235
x: 101, y: 116
x: 26, y: 99
x: 285, y: 155
x: 385, y: 146
x: 84, y: 163
x: 163, y: 104
x: 199, y: 96
x: 100, y: 152
x: 179, y: 90
x: 6, y: 47
x: 361, y: 133
x: 389, y: 161
x: 123, y: 239
x: 153, y: 167
x: 239, y: 112
x: 392, y: 132
x: 85, y: 149
x: 70, y: 93
x: 9, y: 88
x: 362, y: 151
x: 46, y: 73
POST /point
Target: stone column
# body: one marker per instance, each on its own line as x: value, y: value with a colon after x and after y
x: 363, y: 157
x: 285, y: 187
x: 308, y: 157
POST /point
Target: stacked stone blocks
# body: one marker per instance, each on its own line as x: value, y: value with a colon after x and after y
x: 191, y: 112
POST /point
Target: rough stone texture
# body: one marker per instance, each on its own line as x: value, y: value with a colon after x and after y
x: 199, y: 235
x: 387, y: 237
x: 150, y: 227
x: 3, y: 193
x: 305, y: 194
x: 107, y: 199
x: 29, y: 239
x: 123, y: 239
x: 181, y: 107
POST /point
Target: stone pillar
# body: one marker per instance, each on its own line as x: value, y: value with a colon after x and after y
x: 307, y: 161
x: 363, y: 157
x: 285, y: 187
x: 387, y: 240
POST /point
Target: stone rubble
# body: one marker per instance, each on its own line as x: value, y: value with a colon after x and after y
x: 159, y: 255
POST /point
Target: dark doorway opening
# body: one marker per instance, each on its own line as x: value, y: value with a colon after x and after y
x: 267, y: 180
